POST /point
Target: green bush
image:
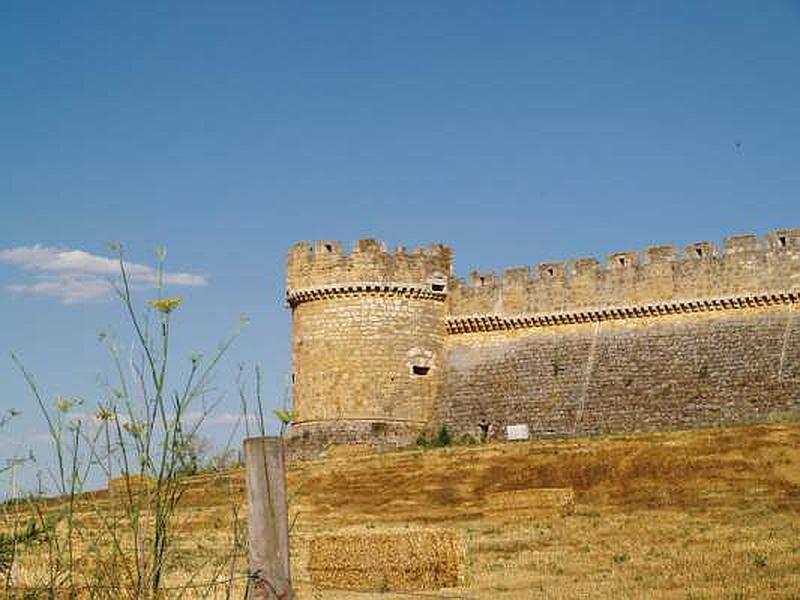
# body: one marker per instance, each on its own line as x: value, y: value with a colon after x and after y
x: 443, y: 438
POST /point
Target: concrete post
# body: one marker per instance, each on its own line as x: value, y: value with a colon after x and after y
x: 267, y: 519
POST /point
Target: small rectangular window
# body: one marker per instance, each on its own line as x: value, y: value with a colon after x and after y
x: 420, y: 370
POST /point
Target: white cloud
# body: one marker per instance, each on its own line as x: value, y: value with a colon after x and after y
x: 75, y: 276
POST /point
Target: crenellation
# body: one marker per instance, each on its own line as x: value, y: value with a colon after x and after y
x: 742, y: 243
x: 483, y: 279
x: 516, y: 277
x: 700, y: 251
x: 585, y: 267
x: 474, y: 297
x: 515, y: 289
x: 370, y: 246
x: 585, y: 282
x: 300, y: 255
x: 658, y: 273
x: 328, y: 249
x: 300, y: 259
x: 551, y: 271
x: 747, y: 264
x: 660, y: 254
x: 784, y: 240
x: 325, y: 263
x: 623, y: 260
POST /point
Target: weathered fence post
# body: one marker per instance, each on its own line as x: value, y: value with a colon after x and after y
x: 267, y: 519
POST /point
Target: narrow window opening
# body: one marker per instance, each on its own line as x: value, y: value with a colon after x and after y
x: 420, y: 370
x: 698, y: 251
x: 782, y: 241
x: 622, y: 261
x: 550, y: 272
x: 437, y: 287
x: 483, y: 280
x: 328, y: 248
x: 294, y: 378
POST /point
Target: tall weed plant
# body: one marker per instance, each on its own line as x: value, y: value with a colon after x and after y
x: 139, y: 438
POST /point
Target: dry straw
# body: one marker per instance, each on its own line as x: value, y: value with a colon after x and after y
x: 403, y: 559
x: 521, y: 504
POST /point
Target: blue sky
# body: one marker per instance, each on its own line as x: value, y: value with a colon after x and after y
x: 517, y: 132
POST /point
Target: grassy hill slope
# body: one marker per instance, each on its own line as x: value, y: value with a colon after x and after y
x: 711, y: 513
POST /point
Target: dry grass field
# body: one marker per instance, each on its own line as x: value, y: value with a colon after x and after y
x: 711, y: 513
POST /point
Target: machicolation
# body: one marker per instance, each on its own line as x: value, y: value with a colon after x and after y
x: 387, y: 345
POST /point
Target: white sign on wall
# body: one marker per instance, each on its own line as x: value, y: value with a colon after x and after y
x: 517, y: 432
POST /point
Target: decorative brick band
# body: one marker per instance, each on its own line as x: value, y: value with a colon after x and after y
x: 405, y: 290
x: 341, y: 420
x: 489, y: 322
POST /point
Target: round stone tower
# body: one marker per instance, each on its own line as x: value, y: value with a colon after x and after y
x: 368, y: 332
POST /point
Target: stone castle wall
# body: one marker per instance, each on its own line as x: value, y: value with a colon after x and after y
x: 666, y: 372
x: 388, y: 343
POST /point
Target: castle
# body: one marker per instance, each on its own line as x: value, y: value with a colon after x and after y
x: 390, y: 345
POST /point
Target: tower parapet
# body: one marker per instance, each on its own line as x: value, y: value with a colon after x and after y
x: 324, y: 263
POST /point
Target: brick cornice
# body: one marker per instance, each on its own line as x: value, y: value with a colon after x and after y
x: 348, y: 420
x: 327, y: 292
x: 494, y: 322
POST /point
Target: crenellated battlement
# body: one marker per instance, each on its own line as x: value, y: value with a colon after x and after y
x: 744, y: 264
x: 325, y: 264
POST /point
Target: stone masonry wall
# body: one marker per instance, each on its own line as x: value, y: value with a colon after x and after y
x: 644, y: 374
x: 310, y: 439
x: 353, y: 358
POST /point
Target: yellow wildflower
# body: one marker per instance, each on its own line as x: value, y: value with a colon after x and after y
x: 166, y: 305
x: 103, y: 414
x: 134, y: 428
x: 65, y: 404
